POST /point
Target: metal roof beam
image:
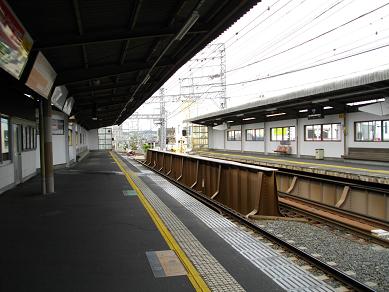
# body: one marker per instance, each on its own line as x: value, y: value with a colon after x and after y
x: 89, y: 89
x: 89, y: 39
x: 80, y: 75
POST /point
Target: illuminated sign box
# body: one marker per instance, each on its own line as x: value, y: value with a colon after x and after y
x: 15, y: 42
x: 59, y: 95
x: 42, y: 76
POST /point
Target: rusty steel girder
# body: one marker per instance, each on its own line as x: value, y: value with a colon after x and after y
x: 248, y: 189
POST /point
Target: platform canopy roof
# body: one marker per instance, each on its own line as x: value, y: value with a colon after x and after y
x: 112, y: 55
x: 342, y: 96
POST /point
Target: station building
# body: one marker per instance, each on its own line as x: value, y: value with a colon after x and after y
x: 347, y: 119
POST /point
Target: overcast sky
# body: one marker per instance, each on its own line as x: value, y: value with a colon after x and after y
x: 285, y: 45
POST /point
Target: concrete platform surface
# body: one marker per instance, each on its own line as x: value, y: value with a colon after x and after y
x: 88, y: 236
x: 362, y: 171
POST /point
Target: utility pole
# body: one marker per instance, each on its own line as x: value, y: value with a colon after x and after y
x: 162, y: 118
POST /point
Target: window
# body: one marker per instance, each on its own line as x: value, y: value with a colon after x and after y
x: 199, y: 135
x: 105, y: 138
x: 29, y: 138
x: 57, y: 127
x: 371, y: 131
x: 324, y: 132
x: 283, y: 134
x: 234, y: 136
x: 255, y: 134
x: 4, y: 136
x: 70, y: 137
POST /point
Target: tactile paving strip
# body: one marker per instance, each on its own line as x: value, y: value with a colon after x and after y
x: 285, y: 273
x: 213, y: 273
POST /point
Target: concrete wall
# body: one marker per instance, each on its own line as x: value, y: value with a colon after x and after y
x: 331, y: 148
x: 7, y: 176
x: 93, y: 140
x: 233, y: 145
x: 28, y: 163
x: 253, y: 146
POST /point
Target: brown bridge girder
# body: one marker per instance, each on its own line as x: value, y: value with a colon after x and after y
x: 247, y: 189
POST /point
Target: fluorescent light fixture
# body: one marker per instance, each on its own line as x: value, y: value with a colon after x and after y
x: 320, y: 100
x: 303, y: 110
x: 230, y: 121
x: 28, y: 95
x: 187, y: 26
x: 274, y: 115
x: 365, y: 102
x: 94, y: 118
x: 271, y: 109
x: 248, y: 119
x: 146, y: 79
x: 327, y: 107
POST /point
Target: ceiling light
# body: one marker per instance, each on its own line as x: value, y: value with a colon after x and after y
x: 277, y: 114
x: 187, y: 26
x: 365, y: 102
x: 248, y: 119
x: 303, y: 110
x: 327, y: 107
x: 94, y: 118
x: 320, y: 100
x: 271, y: 109
x: 230, y: 121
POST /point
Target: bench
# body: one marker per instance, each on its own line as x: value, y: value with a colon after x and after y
x: 284, y: 148
x: 371, y: 154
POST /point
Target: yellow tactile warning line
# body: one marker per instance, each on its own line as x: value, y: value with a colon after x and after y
x: 193, y: 275
x: 300, y: 162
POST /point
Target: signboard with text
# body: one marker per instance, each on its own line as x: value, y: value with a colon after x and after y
x: 15, y: 42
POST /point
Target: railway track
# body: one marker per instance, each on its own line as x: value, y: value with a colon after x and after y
x: 293, y: 206
x: 335, y: 273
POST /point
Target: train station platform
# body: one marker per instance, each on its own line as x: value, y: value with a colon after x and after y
x: 113, y: 225
x: 359, y: 171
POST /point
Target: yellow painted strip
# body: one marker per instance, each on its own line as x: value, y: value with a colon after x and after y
x: 299, y: 162
x: 193, y: 275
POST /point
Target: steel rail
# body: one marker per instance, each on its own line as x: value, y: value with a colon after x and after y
x: 337, y: 274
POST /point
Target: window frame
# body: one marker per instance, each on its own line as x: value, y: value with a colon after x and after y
x: 321, y: 133
x: 254, y: 135
x: 282, y: 131
x: 29, y: 139
x: 234, y: 139
x: 371, y: 141
x: 2, y: 155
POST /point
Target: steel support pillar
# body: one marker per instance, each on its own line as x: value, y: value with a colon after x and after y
x: 49, y: 170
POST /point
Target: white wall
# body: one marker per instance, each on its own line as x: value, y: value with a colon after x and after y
x: 93, y: 140
x: 233, y: 145
x: 253, y: 146
x: 331, y: 148
x: 7, y: 175
x: 217, y: 140
x: 28, y: 163
x: 272, y: 145
x: 361, y: 117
